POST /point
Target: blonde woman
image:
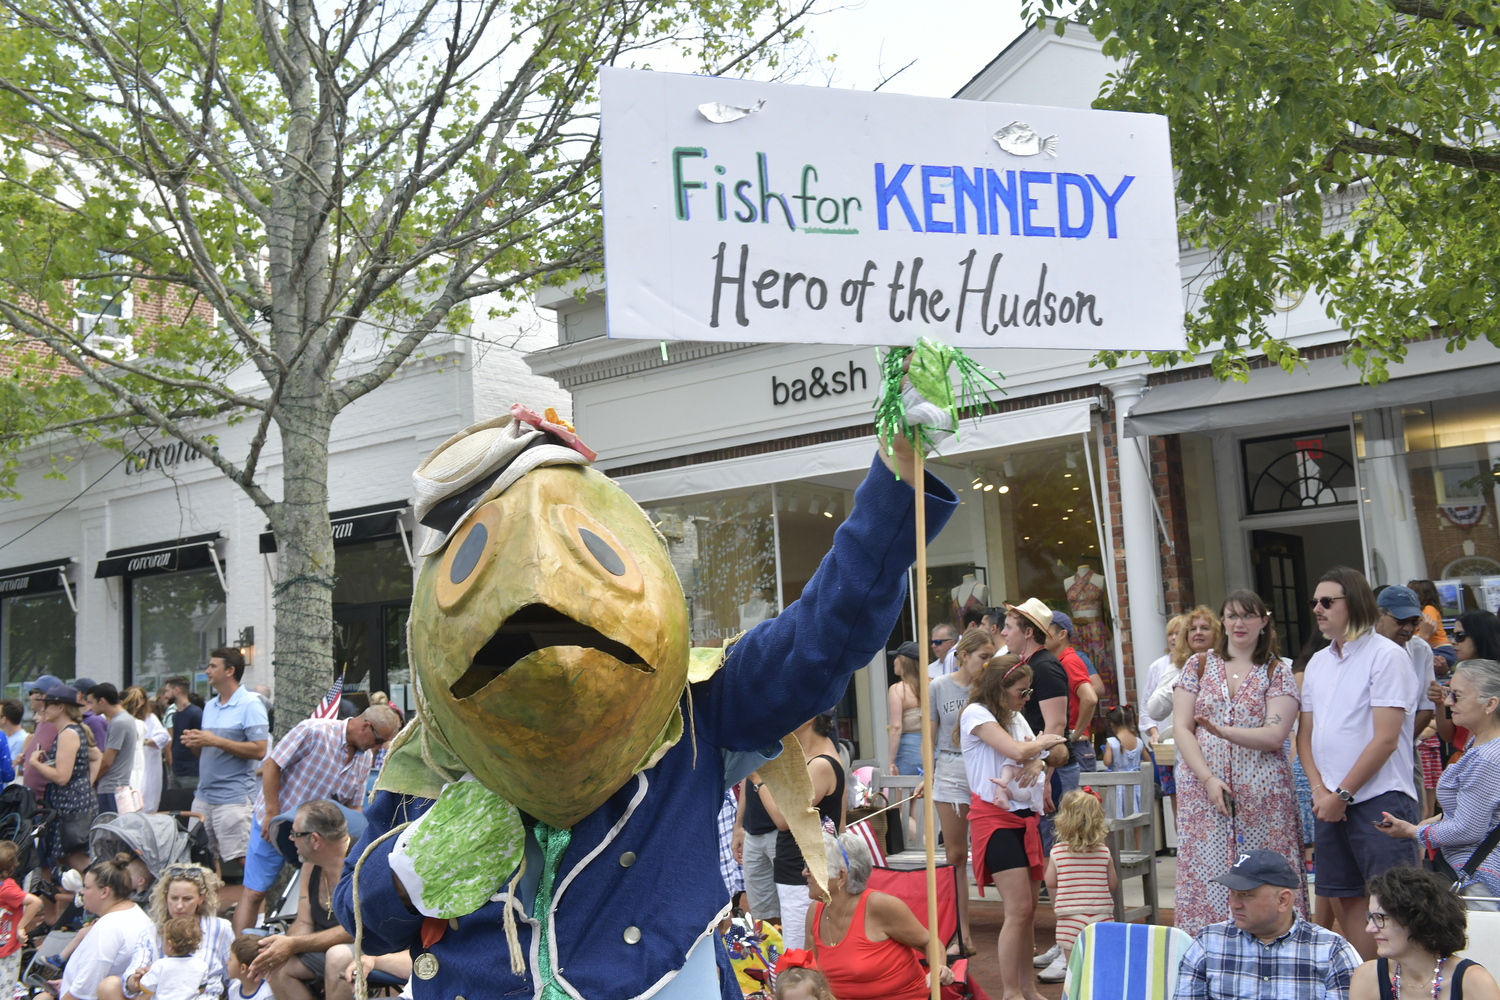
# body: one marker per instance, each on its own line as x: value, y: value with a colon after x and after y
x: 184, y: 890
x: 154, y: 739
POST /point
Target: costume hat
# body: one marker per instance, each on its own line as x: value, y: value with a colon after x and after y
x: 476, y: 465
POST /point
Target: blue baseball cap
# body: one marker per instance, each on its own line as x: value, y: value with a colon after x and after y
x: 1401, y: 602
x: 1258, y: 868
x: 43, y: 684
x: 1063, y: 621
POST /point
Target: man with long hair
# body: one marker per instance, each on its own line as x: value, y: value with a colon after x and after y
x: 1359, y: 699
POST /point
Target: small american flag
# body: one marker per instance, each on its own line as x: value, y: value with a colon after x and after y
x: 328, y: 708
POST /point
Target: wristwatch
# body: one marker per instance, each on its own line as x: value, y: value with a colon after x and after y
x: 1347, y: 796
x: 756, y: 786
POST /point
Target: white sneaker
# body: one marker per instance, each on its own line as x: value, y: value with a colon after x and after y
x: 1056, y: 972
x: 1047, y: 957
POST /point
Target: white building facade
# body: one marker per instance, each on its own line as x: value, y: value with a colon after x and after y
x: 1122, y: 496
x: 131, y: 569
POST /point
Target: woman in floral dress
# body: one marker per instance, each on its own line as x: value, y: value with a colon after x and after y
x: 1233, y: 708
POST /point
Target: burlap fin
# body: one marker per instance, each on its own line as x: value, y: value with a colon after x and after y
x: 792, y: 791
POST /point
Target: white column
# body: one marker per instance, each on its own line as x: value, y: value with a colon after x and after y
x: 1148, y: 621
x: 879, y: 715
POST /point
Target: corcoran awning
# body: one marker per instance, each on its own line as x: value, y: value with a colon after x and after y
x: 35, y: 578
x: 1325, y: 388
x: 359, y: 524
x: 195, y: 552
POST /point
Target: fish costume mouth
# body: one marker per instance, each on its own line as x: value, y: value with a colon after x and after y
x: 531, y: 629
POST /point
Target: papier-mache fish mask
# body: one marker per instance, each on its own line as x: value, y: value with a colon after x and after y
x: 549, y: 636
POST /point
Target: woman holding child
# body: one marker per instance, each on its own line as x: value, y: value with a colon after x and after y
x: 184, y: 890
x: 1003, y: 759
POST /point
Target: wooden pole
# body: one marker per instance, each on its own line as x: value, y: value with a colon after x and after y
x: 924, y: 648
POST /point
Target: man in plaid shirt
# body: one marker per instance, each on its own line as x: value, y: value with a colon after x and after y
x: 1267, y: 950
x: 318, y: 759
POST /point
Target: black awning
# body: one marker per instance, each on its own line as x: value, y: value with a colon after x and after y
x: 358, y: 524
x: 163, y: 557
x: 35, y: 578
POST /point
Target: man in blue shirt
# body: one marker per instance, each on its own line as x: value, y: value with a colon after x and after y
x: 1267, y: 950
x: 229, y: 746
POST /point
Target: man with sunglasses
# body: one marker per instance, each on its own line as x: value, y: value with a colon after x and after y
x: 1354, y: 738
x: 944, y: 638
x: 317, y: 759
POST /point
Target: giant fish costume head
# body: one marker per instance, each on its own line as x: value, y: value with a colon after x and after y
x: 548, y: 631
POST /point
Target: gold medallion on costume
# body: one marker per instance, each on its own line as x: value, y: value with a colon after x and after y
x: 425, y: 965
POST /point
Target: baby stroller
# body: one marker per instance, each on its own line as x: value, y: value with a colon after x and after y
x: 23, y: 823
x: 154, y: 838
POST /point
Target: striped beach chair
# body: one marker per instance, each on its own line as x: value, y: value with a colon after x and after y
x: 1113, y: 961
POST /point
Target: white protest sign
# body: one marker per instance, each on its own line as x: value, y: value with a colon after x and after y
x: 741, y: 211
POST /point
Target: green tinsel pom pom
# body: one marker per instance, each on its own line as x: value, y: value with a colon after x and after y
x: 928, y: 375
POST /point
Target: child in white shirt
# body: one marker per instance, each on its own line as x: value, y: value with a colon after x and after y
x: 178, y: 974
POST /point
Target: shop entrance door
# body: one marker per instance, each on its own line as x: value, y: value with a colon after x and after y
x: 369, y: 645
x: 1280, y: 572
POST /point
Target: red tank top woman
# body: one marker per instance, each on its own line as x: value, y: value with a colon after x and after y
x: 858, y: 969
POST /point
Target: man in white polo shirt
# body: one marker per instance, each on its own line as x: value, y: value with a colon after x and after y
x: 1354, y: 738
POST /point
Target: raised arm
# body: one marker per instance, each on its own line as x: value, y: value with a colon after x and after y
x: 788, y: 669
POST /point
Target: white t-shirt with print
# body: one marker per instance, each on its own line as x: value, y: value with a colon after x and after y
x: 983, y: 762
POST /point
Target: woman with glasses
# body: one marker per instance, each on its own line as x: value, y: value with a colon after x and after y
x: 1476, y: 637
x: 1419, y: 925
x: 1469, y: 790
x: 184, y: 890
x: 867, y: 944
x: 994, y: 736
x: 1233, y: 708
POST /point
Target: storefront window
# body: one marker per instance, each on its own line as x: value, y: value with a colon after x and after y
x: 1429, y: 475
x: 36, y: 637
x: 175, y: 620
x: 371, y: 602
x: 723, y: 549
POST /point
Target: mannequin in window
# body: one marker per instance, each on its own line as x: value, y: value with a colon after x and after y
x: 756, y: 610
x: 970, y: 593
x: 1090, y: 635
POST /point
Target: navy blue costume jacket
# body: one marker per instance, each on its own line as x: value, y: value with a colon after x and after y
x: 648, y: 858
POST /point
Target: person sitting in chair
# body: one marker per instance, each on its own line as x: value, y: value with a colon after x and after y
x: 1266, y: 950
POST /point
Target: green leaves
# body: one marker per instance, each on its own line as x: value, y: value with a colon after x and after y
x: 1342, y: 150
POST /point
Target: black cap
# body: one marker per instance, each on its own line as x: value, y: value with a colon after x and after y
x: 909, y: 650
x: 1257, y: 868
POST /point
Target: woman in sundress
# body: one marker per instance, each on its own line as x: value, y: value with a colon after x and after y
x: 1233, y: 709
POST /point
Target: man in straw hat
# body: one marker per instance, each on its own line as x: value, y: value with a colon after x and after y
x: 563, y: 776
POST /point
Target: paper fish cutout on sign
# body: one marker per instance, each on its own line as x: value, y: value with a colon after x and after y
x: 722, y: 114
x: 1020, y: 139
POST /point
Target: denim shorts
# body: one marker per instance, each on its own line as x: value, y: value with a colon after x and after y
x: 1352, y: 852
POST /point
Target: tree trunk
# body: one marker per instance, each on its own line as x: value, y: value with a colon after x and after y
x: 303, y: 598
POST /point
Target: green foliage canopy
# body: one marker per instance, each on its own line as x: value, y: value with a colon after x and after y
x: 1342, y: 149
